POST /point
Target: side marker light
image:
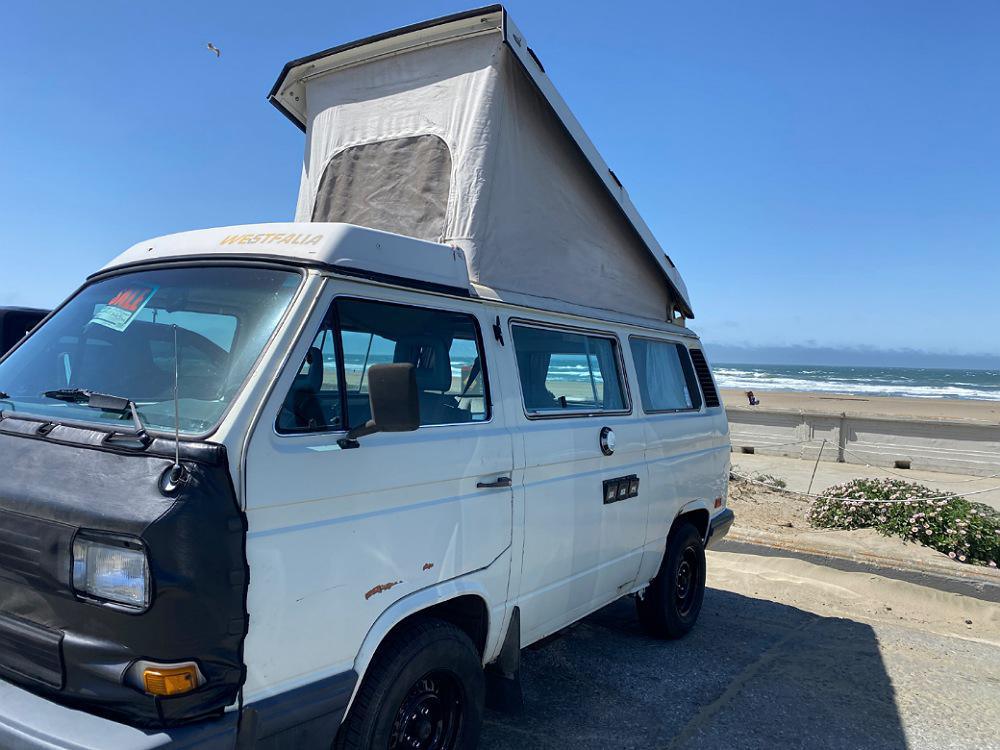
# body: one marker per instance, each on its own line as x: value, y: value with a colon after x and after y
x: 170, y: 680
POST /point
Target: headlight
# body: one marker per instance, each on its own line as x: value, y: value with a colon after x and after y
x: 111, y: 569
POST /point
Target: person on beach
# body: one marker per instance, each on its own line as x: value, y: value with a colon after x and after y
x: 754, y: 401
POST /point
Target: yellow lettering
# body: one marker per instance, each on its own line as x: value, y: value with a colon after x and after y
x: 315, y: 239
x: 230, y: 239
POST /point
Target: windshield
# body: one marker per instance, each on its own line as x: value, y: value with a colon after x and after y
x: 116, y: 337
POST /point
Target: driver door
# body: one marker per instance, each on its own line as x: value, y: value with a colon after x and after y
x: 337, y: 535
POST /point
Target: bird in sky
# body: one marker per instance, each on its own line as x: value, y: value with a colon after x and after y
x: 216, y: 50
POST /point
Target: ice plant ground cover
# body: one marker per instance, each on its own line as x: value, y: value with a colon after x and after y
x: 768, y: 480
x: 966, y: 531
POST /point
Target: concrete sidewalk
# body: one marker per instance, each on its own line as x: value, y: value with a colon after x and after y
x: 796, y: 473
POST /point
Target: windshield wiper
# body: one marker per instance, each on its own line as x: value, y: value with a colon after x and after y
x: 75, y: 396
x: 102, y: 401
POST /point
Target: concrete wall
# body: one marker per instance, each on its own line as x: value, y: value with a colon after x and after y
x: 932, y: 445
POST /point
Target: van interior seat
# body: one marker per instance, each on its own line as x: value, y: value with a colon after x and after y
x: 141, y: 379
x: 534, y: 368
x: 430, y: 355
x: 306, y: 410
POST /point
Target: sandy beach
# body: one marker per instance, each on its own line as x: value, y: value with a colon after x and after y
x: 864, y: 406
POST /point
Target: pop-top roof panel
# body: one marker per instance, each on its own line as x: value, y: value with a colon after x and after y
x: 289, y: 95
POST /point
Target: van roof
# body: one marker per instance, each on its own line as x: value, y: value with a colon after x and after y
x: 343, y: 248
x: 350, y: 250
x: 289, y: 95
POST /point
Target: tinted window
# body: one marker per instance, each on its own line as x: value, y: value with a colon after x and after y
x: 445, y: 347
x: 666, y: 378
x: 563, y: 371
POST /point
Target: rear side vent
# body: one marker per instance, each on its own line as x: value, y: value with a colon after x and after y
x: 705, y: 378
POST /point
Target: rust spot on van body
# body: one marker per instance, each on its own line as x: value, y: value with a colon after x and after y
x: 381, y: 588
x: 428, y: 566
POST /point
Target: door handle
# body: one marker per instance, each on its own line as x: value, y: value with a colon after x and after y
x: 500, y: 482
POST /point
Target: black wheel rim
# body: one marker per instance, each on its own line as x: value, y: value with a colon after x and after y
x: 430, y: 716
x: 686, y: 587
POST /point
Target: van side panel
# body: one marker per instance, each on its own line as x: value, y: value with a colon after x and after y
x: 688, y: 461
x: 687, y: 455
x: 337, y: 537
x: 579, y: 552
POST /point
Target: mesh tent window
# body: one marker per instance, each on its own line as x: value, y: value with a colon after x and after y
x: 399, y: 185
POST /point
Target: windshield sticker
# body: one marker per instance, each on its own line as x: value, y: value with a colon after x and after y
x: 123, y: 308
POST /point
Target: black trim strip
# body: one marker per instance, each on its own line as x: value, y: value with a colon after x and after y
x: 385, y: 278
x: 75, y: 433
x: 292, y: 711
x: 370, y: 40
x: 236, y: 258
x: 281, y: 108
x: 32, y: 651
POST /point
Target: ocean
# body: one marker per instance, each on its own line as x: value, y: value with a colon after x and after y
x: 862, y: 381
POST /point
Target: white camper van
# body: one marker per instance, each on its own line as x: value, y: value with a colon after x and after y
x: 314, y: 483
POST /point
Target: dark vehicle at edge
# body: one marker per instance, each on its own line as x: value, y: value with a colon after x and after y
x: 16, y: 323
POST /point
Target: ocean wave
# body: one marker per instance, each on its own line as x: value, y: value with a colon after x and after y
x: 774, y: 382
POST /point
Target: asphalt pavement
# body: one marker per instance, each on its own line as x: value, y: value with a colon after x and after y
x: 755, y: 673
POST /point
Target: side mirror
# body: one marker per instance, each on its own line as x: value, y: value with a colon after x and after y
x: 394, y: 399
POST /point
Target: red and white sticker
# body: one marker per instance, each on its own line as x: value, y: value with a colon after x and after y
x: 123, y: 308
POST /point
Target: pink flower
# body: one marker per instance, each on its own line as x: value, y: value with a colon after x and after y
x: 992, y: 564
x: 951, y: 555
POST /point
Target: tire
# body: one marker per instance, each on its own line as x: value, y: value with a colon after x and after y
x: 673, y: 600
x: 426, y: 683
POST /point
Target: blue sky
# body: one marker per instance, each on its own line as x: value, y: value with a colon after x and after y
x: 823, y: 173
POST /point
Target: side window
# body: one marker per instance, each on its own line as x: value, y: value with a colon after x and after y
x: 564, y: 372
x: 666, y: 378
x: 444, y: 346
x: 313, y: 403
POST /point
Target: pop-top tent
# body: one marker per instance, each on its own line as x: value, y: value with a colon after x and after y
x: 451, y: 131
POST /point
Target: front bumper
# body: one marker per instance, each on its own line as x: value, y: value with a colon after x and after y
x: 719, y: 526
x: 30, y: 722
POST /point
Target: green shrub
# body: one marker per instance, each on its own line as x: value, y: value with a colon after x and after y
x: 965, y: 531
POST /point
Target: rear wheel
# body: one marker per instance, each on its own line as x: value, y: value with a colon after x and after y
x: 424, y: 690
x: 673, y: 599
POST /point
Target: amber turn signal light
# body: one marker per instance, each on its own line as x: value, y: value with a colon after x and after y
x: 170, y: 680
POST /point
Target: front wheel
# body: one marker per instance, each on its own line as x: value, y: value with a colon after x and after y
x: 424, y: 690
x: 673, y: 599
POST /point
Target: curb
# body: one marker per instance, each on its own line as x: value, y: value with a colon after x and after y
x: 969, y: 573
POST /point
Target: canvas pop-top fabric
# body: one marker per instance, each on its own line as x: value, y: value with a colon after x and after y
x: 452, y: 143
